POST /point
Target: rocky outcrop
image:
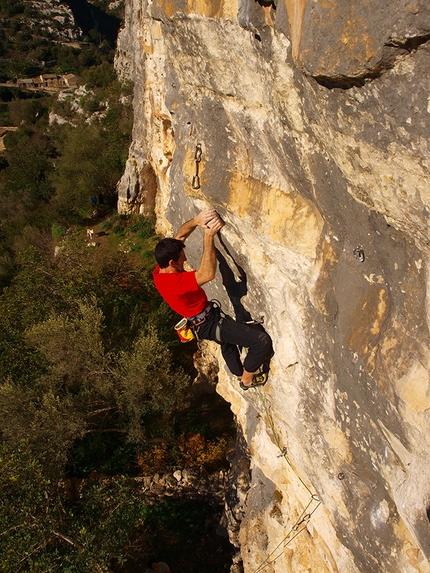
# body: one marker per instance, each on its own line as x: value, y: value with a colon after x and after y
x: 187, y: 484
x: 313, y: 120
x: 56, y: 19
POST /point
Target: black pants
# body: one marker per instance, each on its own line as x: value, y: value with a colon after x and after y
x: 231, y: 335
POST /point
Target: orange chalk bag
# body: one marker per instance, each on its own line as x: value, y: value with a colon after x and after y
x: 184, y: 331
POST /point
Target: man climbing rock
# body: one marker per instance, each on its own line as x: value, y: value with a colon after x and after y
x: 183, y: 293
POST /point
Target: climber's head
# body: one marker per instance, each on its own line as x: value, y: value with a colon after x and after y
x: 169, y: 250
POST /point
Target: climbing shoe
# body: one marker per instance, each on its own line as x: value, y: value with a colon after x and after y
x: 258, y: 379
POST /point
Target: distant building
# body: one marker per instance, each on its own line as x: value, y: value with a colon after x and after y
x: 25, y: 84
x: 49, y: 82
x: 71, y: 80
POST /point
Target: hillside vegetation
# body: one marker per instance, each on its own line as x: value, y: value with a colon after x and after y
x: 93, y: 381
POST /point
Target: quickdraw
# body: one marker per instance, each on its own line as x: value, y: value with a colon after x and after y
x: 197, y: 159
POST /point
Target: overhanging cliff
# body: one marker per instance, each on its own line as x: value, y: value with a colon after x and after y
x: 313, y: 119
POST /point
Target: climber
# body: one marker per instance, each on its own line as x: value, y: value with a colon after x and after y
x: 183, y: 293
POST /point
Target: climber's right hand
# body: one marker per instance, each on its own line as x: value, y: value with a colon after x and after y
x: 203, y: 218
x: 214, y: 225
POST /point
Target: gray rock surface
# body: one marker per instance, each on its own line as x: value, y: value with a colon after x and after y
x: 313, y: 118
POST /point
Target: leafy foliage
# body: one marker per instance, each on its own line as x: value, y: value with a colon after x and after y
x: 147, y: 384
x: 99, y: 524
x: 196, y: 450
x: 50, y: 171
x: 29, y: 40
x: 75, y: 398
x: 63, y: 367
x: 42, y: 529
x: 185, y: 531
x: 81, y: 170
x: 22, y: 503
x: 51, y: 174
x: 91, y: 373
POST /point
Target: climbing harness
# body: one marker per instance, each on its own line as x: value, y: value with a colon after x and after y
x: 193, y: 324
x: 200, y: 318
x: 197, y: 159
x: 196, y: 321
x: 303, y: 519
x: 187, y: 328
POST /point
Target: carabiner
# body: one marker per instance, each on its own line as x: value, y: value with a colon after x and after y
x: 198, y: 155
x: 196, y: 182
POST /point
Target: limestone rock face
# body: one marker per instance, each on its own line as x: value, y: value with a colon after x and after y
x: 313, y: 120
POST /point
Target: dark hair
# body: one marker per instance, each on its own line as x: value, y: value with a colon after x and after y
x: 151, y: 562
x: 168, y: 250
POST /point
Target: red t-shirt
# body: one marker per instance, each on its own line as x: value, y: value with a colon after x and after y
x: 181, y: 292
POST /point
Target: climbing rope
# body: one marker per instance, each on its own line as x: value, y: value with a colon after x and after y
x: 301, y: 522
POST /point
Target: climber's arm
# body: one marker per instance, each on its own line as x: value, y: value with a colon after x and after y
x: 200, y: 220
x: 207, y: 269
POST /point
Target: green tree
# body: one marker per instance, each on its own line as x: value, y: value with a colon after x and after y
x: 23, y: 507
x: 11, y: 7
x: 92, y: 159
x: 30, y: 111
x: 67, y: 59
x: 6, y: 94
x: 26, y: 189
x: 137, y: 391
x: 150, y: 390
x: 100, y: 76
x: 42, y: 528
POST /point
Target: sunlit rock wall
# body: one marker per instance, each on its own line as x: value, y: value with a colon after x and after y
x: 313, y: 119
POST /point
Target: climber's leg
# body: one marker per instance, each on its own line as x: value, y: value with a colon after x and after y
x: 231, y: 355
x: 257, y: 341
x: 233, y: 335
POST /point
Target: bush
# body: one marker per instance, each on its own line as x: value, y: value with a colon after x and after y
x: 11, y: 8
x: 58, y: 230
x: 100, y: 76
x: 6, y: 93
x: 81, y: 169
x: 47, y: 528
x: 201, y: 452
x: 29, y: 111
